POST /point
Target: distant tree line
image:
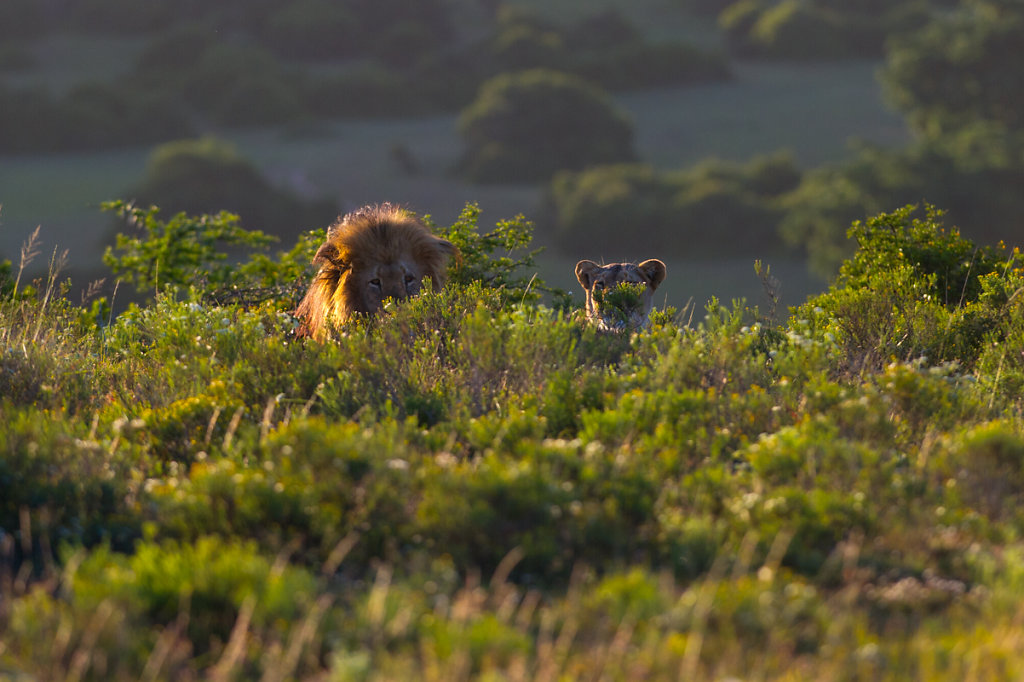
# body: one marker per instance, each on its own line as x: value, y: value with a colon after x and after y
x: 958, y: 80
x: 815, y: 29
x: 208, y: 66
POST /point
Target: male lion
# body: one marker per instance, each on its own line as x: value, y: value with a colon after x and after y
x: 620, y: 295
x: 374, y: 253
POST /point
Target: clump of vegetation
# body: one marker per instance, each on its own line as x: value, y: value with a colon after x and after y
x: 913, y: 290
x: 820, y: 29
x: 476, y: 484
x: 618, y: 302
x: 524, y: 127
x: 715, y: 207
x: 292, y: 63
x: 207, y: 175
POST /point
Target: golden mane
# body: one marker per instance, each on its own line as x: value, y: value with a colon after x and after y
x: 364, y: 252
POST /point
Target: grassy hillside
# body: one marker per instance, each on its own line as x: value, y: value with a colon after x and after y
x: 478, y: 486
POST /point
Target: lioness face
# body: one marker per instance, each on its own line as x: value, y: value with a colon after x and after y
x: 620, y: 296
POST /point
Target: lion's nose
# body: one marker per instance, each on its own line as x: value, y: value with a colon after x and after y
x: 395, y: 291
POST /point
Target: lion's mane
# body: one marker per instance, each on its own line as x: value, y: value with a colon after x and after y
x: 370, y: 238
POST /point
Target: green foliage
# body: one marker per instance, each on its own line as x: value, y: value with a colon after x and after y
x: 975, y: 171
x: 961, y: 69
x: 234, y: 64
x: 525, y: 126
x: 712, y: 208
x: 497, y: 258
x: 913, y: 289
x: 820, y: 29
x: 475, y: 485
x: 177, y: 252
x: 205, y: 175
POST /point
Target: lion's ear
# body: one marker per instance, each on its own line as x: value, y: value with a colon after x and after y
x: 654, y: 270
x: 327, y: 253
x: 585, y: 272
x: 446, y: 247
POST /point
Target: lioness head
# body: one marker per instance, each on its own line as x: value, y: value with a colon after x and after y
x: 620, y: 295
x: 372, y: 254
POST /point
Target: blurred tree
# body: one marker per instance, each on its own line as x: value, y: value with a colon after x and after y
x: 977, y: 173
x: 961, y: 68
x: 208, y: 175
x: 818, y: 29
x: 716, y: 207
x: 523, y: 127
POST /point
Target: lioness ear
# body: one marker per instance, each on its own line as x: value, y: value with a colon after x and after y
x: 654, y: 270
x: 327, y: 253
x: 585, y: 272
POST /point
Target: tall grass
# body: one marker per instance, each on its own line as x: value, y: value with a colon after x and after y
x: 477, y: 486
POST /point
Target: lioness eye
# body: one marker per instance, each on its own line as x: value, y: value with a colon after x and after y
x: 409, y: 279
x: 375, y: 282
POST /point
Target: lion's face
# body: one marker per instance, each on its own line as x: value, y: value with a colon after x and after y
x: 372, y: 283
x: 371, y: 255
x: 620, y: 296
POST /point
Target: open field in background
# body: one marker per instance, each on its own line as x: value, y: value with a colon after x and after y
x: 812, y: 110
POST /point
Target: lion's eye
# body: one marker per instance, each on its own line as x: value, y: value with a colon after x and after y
x: 409, y: 279
x: 375, y: 282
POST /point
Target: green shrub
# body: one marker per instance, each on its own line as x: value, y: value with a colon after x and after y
x: 818, y: 29
x: 214, y: 580
x: 984, y: 469
x: 174, y: 253
x: 207, y: 175
x: 959, y: 69
x: 62, y: 486
x: 913, y: 290
x: 472, y: 484
x: 526, y: 126
x: 974, y: 171
x: 707, y: 209
x: 99, y: 116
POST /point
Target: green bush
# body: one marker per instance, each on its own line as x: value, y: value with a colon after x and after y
x: 211, y: 580
x: 915, y: 290
x: 960, y: 69
x: 820, y: 29
x: 526, y: 126
x: 974, y: 171
x: 211, y: 85
x: 707, y: 209
x: 473, y: 484
x: 61, y: 486
x: 204, y: 175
